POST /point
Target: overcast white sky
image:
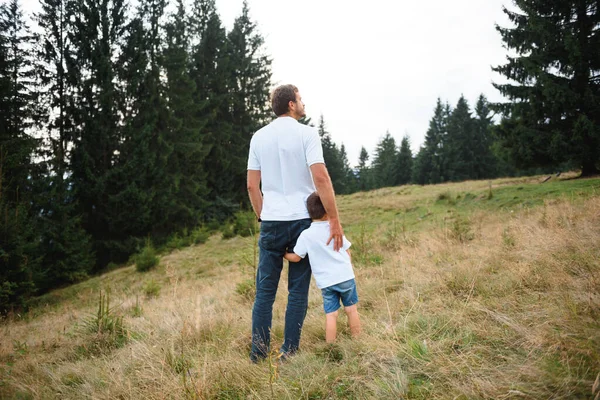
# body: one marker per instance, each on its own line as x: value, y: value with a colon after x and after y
x: 380, y: 65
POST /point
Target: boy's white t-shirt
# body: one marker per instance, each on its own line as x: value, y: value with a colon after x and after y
x: 283, y: 151
x: 329, y: 267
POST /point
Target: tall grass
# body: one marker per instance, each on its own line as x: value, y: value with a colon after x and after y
x: 462, y: 296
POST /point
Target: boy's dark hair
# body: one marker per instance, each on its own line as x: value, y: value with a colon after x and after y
x: 315, y: 206
x: 281, y: 97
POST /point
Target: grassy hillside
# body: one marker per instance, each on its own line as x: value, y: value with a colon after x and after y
x: 470, y: 290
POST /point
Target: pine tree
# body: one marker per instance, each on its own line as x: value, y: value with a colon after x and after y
x: 16, y: 81
x: 64, y: 244
x: 350, y: 183
x: 364, y: 172
x: 129, y: 178
x: 405, y: 162
x: 210, y: 69
x: 140, y: 175
x: 485, y: 162
x: 555, y: 100
x: 385, y: 162
x: 333, y: 161
x: 460, y: 143
x: 250, y: 79
x: 430, y: 163
x: 97, y: 29
x: 154, y: 117
x: 18, y: 242
x: 186, y: 130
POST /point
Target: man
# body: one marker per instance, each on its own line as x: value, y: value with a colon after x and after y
x: 284, y: 154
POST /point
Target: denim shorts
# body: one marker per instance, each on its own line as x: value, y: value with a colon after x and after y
x: 345, y: 291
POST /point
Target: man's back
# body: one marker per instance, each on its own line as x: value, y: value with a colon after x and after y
x: 283, y: 151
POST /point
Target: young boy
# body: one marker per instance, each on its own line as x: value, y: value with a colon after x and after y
x: 332, y: 269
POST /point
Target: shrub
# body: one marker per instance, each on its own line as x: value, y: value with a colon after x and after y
x: 200, y: 235
x: 244, y: 223
x: 105, y: 320
x: 176, y: 242
x: 146, y: 259
x: 444, y: 196
x: 227, y: 231
x: 106, y: 327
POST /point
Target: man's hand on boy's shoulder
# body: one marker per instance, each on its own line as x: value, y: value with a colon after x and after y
x: 336, y: 233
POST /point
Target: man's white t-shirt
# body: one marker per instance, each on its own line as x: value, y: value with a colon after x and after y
x: 329, y: 267
x: 283, y: 151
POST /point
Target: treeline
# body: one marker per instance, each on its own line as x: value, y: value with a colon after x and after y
x: 119, y: 125
x: 550, y: 122
x: 460, y: 144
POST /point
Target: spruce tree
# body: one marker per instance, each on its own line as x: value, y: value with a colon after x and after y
x: 19, y: 261
x: 333, y: 161
x: 385, y: 170
x: 186, y: 130
x: 430, y: 163
x: 249, y: 80
x: 555, y: 90
x: 210, y: 69
x: 460, y: 143
x: 405, y: 162
x: 364, y: 172
x: 64, y: 244
x: 140, y: 174
x: 154, y: 117
x: 485, y: 162
x: 98, y: 26
x: 350, y: 183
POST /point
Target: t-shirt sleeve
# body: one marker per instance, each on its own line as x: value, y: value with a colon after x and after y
x: 346, y: 244
x: 313, y: 149
x: 301, y: 246
x: 253, y: 161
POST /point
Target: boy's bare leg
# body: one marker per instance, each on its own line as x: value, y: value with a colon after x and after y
x: 331, y: 326
x: 353, y: 320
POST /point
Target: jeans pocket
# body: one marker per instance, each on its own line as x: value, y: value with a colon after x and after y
x: 268, y: 235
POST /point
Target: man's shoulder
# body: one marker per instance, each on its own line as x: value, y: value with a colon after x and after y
x: 309, y: 129
x: 285, y: 126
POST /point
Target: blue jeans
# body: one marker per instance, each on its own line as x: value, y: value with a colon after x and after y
x: 275, y: 238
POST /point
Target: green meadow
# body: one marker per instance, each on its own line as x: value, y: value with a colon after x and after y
x: 470, y: 290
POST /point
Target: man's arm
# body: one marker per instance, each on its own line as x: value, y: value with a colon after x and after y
x: 325, y: 190
x: 256, y: 198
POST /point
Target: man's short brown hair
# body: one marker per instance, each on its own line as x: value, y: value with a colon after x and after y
x: 315, y: 207
x: 281, y: 97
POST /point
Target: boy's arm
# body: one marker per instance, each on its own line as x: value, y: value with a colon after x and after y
x: 292, y: 257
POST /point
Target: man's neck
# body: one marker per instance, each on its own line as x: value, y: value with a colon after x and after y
x: 289, y: 115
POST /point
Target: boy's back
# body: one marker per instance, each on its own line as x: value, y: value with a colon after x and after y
x: 329, y: 267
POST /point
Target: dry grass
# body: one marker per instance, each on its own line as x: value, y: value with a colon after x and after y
x: 510, y: 310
